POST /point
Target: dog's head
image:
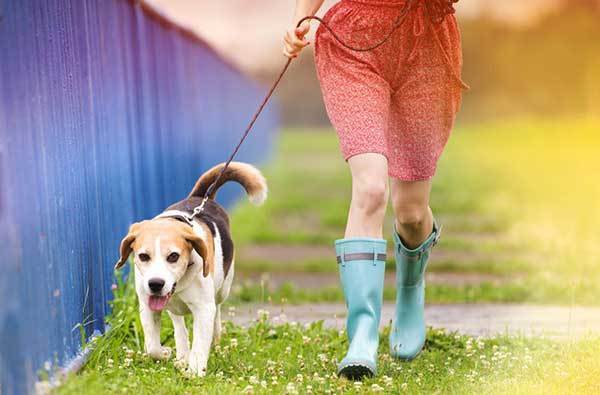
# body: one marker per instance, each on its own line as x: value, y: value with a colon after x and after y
x: 163, y: 250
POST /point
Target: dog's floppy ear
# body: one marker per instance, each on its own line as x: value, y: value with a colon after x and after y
x: 125, y: 249
x: 202, y: 249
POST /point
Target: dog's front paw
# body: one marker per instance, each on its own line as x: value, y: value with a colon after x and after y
x: 162, y: 353
x: 197, y: 363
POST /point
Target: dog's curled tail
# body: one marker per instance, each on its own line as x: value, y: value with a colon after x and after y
x: 246, y: 175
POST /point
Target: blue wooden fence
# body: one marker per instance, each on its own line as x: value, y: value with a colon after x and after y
x: 108, y: 112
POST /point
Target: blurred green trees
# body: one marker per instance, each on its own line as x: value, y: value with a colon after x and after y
x: 548, y: 69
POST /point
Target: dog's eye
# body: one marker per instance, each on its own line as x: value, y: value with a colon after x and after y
x: 173, y: 257
x: 144, y: 257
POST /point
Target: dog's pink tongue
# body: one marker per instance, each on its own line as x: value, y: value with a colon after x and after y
x: 157, y: 303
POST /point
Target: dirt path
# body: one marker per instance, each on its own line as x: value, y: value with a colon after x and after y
x: 477, y: 320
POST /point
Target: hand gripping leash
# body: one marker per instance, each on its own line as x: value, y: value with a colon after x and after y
x: 437, y: 10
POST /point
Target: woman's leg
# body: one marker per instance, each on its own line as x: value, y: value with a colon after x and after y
x: 369, y: 196
x: 413, y: 217
x: 414, y: 236
x: 361, y: 257
x: 357, y: 99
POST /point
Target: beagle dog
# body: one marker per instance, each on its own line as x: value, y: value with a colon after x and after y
x: 187, y: 267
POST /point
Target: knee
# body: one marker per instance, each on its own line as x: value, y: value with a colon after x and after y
x: 370, y: 196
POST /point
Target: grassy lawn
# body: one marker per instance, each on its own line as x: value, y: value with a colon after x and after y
x: 295, y: 359
x: 519, y: 202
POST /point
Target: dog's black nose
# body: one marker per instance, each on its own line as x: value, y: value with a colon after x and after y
x: 156, y: 284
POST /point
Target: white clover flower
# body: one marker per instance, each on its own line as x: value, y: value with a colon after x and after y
x: 387, y: 380
x: 376, y: 388
x: 290, y: 388
x: 179, y: 364
x: 480, y: 343
x: 263, y: 314
x: 187, y: 373
x: 248, y: 390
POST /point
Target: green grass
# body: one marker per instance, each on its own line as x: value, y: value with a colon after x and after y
x: 519, y: 200
x: 292, y: 358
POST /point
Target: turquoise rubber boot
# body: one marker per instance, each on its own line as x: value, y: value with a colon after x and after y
x: 407, y: 335
x: 362, y: 271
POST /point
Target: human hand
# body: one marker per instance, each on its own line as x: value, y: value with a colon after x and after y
x: 293, y: 40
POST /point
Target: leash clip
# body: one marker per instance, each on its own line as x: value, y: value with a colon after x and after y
x: 197, y: 210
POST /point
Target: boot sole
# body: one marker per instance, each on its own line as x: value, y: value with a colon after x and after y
x: 355, y: 372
